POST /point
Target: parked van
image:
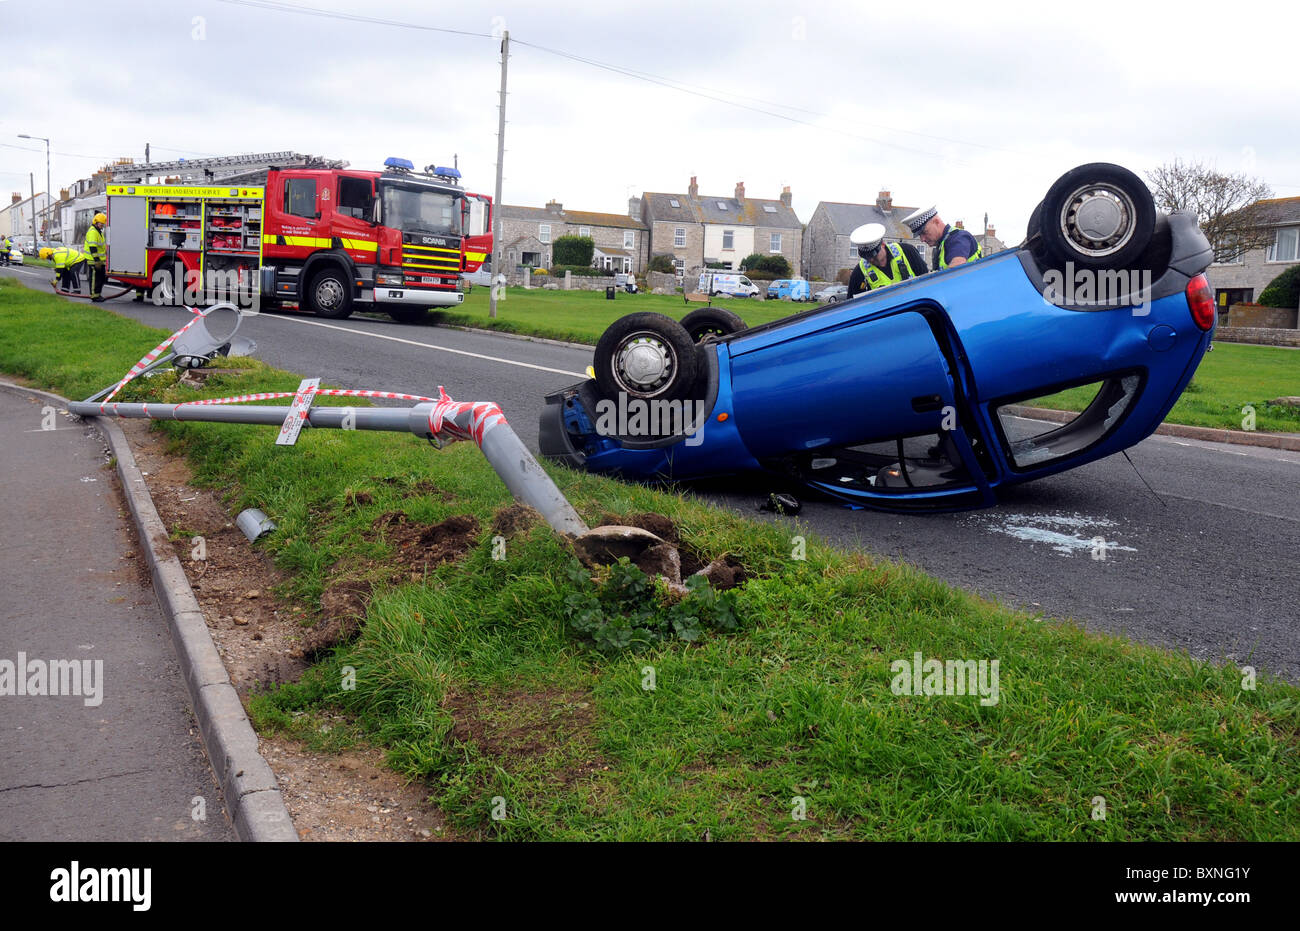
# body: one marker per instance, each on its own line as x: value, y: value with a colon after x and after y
x: 790, y: 289
x: 721, y: 283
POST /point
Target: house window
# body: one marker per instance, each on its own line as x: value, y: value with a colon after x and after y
x: 627, y: 264
x: 722, y: 205
x: 768, y: 208
x: 680, y: 266
x: 629, y: 239
x: 679, y: 237
x: 675, y: 202
x: 1284, y: 247
x: 775, y: 243
x: 584, y: 231
x: 728, y: 239
x: 544, y: 232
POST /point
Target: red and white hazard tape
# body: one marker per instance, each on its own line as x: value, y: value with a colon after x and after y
x: 336, y: 392
x: 150, y: 357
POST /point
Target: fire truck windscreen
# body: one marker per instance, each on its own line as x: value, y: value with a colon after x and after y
x: 415, y: 209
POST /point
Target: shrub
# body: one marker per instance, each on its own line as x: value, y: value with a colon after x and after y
x: 843, y: 275
x: 1283, y: 291
x: 663, y: 263
x: 778, y: 265
x: 573, y: 250
x: 718, y: 266
x: 539, y: 273
x: 579, y: 271
x: 750, y: 262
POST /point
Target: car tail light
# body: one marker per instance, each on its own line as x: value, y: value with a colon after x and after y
x: 1201, y: 302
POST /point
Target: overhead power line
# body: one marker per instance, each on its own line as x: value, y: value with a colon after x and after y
x: 668, y: 83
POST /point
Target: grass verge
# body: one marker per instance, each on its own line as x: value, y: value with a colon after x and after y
x: 468, y: 677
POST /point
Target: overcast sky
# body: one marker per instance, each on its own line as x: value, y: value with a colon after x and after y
x: 976, y: 107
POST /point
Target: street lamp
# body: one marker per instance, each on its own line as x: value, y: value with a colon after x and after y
x: 49, y: 196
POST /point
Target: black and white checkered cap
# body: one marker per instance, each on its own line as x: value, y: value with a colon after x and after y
x: 918, y: 218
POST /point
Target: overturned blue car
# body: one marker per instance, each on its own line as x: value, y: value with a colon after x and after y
x: 907, y: 397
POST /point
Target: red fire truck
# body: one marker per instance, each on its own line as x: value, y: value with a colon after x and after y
x: 290, y: 229
x: 477, y: 244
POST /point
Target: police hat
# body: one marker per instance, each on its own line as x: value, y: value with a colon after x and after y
x: 918, y: 218
x: 867, y: 238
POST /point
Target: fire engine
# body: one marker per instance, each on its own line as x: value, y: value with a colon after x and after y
x: 283, y: 228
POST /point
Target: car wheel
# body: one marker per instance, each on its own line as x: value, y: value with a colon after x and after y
x: 407, y: 314
x: 711, y: 321
x: 646, y: 355
x: 329, y: 295
x: 1097, y: 215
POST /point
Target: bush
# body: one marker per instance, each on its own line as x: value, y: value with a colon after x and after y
x: 573, y: 250
x: 580, y: 271
x: 1283, y: 291
x: 760, y: 275
x: 778, y: 265
x: 843, y: 275
x: 539, y: 273
x: 663, y: 263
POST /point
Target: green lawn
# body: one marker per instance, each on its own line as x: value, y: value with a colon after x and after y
x: 1228, y: 379
x: 473, y: 682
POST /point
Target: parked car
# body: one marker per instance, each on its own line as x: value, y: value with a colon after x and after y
x: 789, y: 289
x: 721, y: 283
x: 906, y: 398
x: 832, y: 293
x: 15, y: 255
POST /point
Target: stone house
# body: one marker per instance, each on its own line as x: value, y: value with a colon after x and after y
x: 696, y: 230
x: 826, y: 241
x: 1241, y: 280
x: 528, y: 233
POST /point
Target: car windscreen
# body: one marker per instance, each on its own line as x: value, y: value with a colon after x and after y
x: 415, y: 209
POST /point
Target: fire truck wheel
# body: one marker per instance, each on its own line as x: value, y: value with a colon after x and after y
x: 163, y: 292
x: 330, y: 295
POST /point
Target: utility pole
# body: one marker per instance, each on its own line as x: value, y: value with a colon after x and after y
x: 49, y: 199
x: 498, y: 226
x: 31, y: 179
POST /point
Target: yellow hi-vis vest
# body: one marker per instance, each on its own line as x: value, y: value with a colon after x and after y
x: 943, y: 258
x: 899, y: 269
x: 65, y: 257
x: 5, y: 244
x: 96, y: 249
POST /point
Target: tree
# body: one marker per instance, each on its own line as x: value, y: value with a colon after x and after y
x: 1284, y: 290
x: 663, y: 263
x: 1226, y: 206
x: 573, y: 250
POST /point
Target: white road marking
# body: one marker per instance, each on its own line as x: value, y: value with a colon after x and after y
x: 411, y: 342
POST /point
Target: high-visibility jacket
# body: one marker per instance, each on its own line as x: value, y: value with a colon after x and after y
x: 900, y: 269
x: 5, y: 245
x: 96, y: 248
x: 943, y: 258
x: 65, y: 257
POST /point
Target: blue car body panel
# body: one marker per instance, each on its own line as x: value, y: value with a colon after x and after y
x: 937, y: 355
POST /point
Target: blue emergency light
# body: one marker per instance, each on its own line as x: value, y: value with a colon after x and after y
x: 442, y: 172
x: 403, y: 163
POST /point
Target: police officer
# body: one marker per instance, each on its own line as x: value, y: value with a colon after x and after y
x: 881, y: 263
x: 68, y: 262
x: 951, y: 246
x: 5, y: 246
x: 97, y: 255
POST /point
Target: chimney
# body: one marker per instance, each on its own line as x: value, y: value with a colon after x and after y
x: 959, y: 224
x: 991, y: 232
x: 785, y: 195
x: 634, y: 207
x: 884, y: 201
x: 15, y: 198
x: 555, y: 207
x: 740, y: 192
x: 694, y: 189
x: 63, y: 193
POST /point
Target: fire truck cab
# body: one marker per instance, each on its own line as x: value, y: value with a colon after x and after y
x: 321, y: 236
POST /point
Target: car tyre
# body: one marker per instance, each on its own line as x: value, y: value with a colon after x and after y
x: 329, y: 295
x: 712, y: 321
x: 163, y: 294
x: 646, y: 355
x: 1097, y: 216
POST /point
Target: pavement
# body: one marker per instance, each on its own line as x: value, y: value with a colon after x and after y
x: 116, y: 754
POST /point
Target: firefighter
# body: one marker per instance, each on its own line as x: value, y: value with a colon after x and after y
x: 68, y: 263
x: 952, y: 245
x: 5, y: 246
x: 97, y: 255
x: 881, y: 263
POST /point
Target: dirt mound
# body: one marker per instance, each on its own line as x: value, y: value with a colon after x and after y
x: 513, y: 520
x: 418, y: 546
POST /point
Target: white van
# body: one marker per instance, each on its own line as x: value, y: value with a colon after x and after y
x: 712, y: 283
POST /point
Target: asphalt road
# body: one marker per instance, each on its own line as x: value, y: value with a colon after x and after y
x: 1207, y: 564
